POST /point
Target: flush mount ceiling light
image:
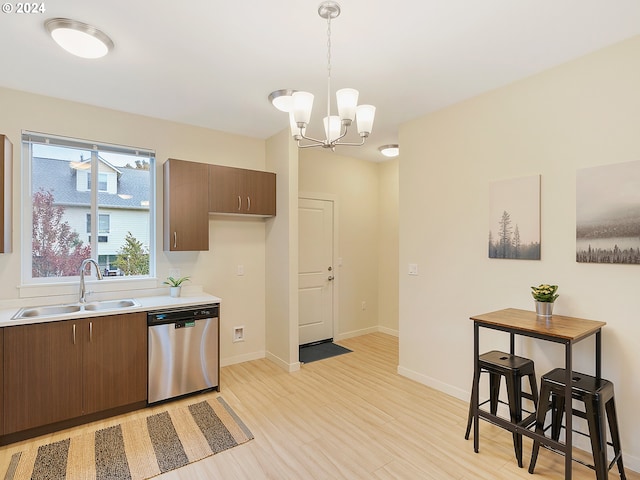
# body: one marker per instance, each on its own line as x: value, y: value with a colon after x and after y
x: 79, y: 38
x: 391, y: 150
x: 282, y: 99
x: 335, y: 126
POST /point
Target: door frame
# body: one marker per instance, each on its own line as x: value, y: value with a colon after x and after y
x: 336, y: 256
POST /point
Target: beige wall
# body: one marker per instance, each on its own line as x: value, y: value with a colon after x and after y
x: 354, y: 184
x: 388, y: 269
x: 233, y: 241
x: 282, y: 255
x: 581, y: 114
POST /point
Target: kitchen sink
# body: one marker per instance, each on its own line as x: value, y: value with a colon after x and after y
x: 51, y: 310
x: 47, y: 311
x: 111, y: 304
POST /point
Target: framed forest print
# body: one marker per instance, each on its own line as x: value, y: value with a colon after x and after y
x: 514, y: 226
x: 608, y: 214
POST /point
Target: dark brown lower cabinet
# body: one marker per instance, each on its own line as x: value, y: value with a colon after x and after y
x: 1, y: 381
x: 59, y: 371
x: 114, y: 362
x: 42, y: 374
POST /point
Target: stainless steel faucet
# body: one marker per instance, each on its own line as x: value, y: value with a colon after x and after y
x: 83, y: 292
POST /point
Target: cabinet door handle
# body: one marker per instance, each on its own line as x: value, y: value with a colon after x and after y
x: 74, y: 333
x: 90, y: 332
x: 239, y: 202
x: 175, y: 239
x: 248, y: 203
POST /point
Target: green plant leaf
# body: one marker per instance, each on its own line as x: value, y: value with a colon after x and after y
x: 175, y: 282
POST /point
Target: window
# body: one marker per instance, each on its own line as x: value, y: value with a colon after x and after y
x: 62, y: 209
x: 103, y: 223
x: 102, y: 182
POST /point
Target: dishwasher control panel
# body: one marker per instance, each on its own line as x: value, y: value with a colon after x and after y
x: 185, y: 317
x: 184, y: 324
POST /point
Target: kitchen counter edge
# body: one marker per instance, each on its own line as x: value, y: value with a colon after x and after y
x: 147, y: 304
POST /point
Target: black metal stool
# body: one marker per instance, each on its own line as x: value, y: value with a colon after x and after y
x: 598, y: 399
x: 512, y: 368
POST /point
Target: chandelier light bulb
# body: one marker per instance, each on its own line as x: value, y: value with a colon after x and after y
x: 347, y: 99
x: 302, y: 106
x: 364, y: 117
x: 332, y: 127
x: 296, y: 132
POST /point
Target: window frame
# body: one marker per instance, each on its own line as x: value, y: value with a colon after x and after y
x: 101, y: 216
x: 104, y: 182
x: 30, y: 286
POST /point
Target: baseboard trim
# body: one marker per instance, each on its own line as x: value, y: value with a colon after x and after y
x: 389, y: 331
x: 433, y: 383
x: 247, y: 357
x: 287, y: 367
x: 366, y: 331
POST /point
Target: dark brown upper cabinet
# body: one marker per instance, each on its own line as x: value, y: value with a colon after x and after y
x: 241, y: 192
x: 186, y: 206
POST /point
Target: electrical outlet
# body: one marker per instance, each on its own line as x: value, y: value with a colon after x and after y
x: 238, y: 334
x: 240, y: 270
x: 413, y: 269
x: 364, y: 305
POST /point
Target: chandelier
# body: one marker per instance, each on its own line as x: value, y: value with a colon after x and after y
x: 299, y: 104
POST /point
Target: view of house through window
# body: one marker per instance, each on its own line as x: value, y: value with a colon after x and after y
x: 66, y: 210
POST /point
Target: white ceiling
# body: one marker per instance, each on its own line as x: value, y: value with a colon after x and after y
x: 212, y: 63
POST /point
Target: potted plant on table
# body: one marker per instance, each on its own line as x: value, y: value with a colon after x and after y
x: 175, y: 285
x: 544, y: 295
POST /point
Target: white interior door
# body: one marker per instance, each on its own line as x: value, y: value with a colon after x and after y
x: 315, y: 271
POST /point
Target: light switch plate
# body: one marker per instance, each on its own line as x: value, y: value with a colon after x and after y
x: 413, y: 269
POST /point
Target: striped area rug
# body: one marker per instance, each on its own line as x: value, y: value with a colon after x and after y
x: 135, y: 449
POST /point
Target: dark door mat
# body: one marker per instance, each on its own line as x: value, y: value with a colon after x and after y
x: 320, y: 351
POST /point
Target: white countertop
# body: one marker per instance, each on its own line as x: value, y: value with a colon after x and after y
x: 147, y: 304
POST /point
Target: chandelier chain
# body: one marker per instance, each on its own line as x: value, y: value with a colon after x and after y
x: 329, y: 44
x: 328, y: 67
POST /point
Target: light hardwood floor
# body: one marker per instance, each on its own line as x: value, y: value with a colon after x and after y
x: 354, y: 417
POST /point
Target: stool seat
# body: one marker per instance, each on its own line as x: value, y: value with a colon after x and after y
x: 598, y: 398
x: 513, y: 368
x: 581, y: 384
x: 502, y: 360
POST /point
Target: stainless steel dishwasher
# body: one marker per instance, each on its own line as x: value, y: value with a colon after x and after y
x: 183, y: 351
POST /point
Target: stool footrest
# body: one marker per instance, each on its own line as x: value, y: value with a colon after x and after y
x: 577, y: 460
x: 582, y: 462
x: 531, y: 414
x: 562, y: 427
x: 615, y: 459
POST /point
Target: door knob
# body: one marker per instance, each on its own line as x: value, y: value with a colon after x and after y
x: 331, y: 277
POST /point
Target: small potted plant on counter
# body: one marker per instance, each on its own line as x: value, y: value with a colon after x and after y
x: 544, y: 295
x: 175, y: 285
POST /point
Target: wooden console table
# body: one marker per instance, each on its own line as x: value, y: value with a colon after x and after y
x: 557, y: 329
